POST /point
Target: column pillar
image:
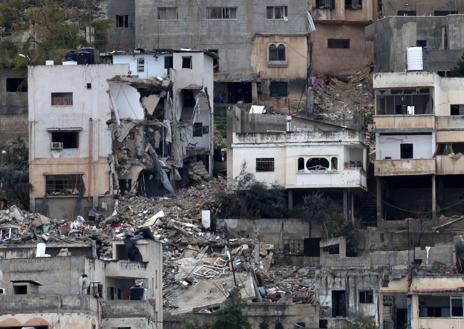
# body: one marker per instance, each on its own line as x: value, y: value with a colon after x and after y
x: 345, y: 205
x: 379, y: 203
x: 434, y: 197
x: 290, y: 199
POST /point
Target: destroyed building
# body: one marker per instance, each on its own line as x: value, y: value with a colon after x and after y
x: 65, y: 285
x: 419, y: 138
x: 340, y: 34
x: 298, y: 153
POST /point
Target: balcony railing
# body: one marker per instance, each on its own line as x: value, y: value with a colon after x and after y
x: 404, y: 167
x: 423, y: 121
x: 450, y: 165
x: 347, y: 178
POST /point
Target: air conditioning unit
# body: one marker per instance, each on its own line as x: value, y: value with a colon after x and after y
x: 56, y: 146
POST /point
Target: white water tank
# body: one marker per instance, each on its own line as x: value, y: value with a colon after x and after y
x: 415, y: 60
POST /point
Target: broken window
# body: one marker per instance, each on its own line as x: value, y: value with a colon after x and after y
x: 140, y: 64
x: 407, y: 101
x: 353, y: 4
x: 294, y: 247
x: 186, y: 62
x: 167, y: 13
x: 188, y: 99
x: 197, y: 129
x: 264, y: 164
x: 366, y: 297
x: 64, y: 184
x: 277, y: 52
x: 457, y: 109
x: 444, y: 12
x: 276, y: 12
x: 168, y: 62
x: 16, y: 85
x: 421, y: 43
x: 62, y: 99
x: 433, y: 306
x: 122, y: 21
x: 338, y: 43
x: 222, y: 12
x: 301, y: 164
x: 325, y: 4
x: 66, y: 139
x: 317, y: 164
x: 278, y: 89
x: 406, y: 151
x: 406, y: 13
x: 338, y: 303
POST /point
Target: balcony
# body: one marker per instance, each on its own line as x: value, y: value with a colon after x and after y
x: 13, y: 304
x: 447, y: 165
x: 347, y: 178
x: 128, y: 309
x: 423, y: 122
x: 125, y: 269
x: 450, y: 129
x: 404, y: 167
x: 310, y: 137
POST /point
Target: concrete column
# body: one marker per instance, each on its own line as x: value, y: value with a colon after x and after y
x: 365, y: 159
x: 254, y: 91
x: 379, y: 199
x: 434, y: 197
x: 290, y: 199
x: 352, y: 207
x: 345, y: 205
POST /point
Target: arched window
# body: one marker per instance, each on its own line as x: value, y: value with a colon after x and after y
x: 334, y: 161
x: 282, y: 52
x: 317, y: 164
x: 277, y: 52
x: 300, y: 164
x: 273, y: 53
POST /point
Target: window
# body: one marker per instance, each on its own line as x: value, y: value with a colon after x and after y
x: 122, y: 21
x: 68, y: 139
x: 63, y: 184
x: 167, y: 13
x: 277, y: 52
x: 317, y: 164
x: 434, y: 306
x: 215, y: 59
x: 197, y: 129
x: 311, y: 247
x: 62, y: 99
x: 276, y: 12
x: 20, y: 289
x: 300, y: 164
x: 186, y: 62
x: 421, y: 43
x: 406, y: 151
x: 222, y: 12
x: 406, y: 13
x: 140, y: 64
x: 366, y: 297
x: 168, y: 62
x: 264, y: 164
x: 338, y: 303
x: 334, y: 162
x: 353, y: 4
x: 278, y: 89
x: 16, y: 85
x: 457, y: 109
x: 456, y: 306
x: 338, y: 43
x: 444, y: 12
x: 325, y: 4
x: 293, y: 247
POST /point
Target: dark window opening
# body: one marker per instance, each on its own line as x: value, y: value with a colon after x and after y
x: 14, y: 85
x: 338, y: 43
x: 434, y: 306
x: 188, y: 99
x: 277, y: 52
x: 323, y: 324
x: 325, y: 4
x: 366, y: 297
x: 186, y: 62
x: 125, y: 185
x: 317, y: 164
x: 167, y: 13
x: 168, y: 62
x: 122, y: 21
x: 406, y: 13
x: 338, y: 303
x: 64, y: 184
x: 62, y: 99
x: 278, y: 89
x: 232, y: 92
x: 222, y: 13
x: 444, y: 12
x: 301, y: 164
x: 68, y: 139
x: 140, y: 64
x: 88, y: 85
x: 312, y: 248
x: 450, y: 148
x: 421, y: 43
x: 333, y: 249
x: 456, y: 306
x: 334, y: 162
x: 215, y: 59
x: 20, y: 290
x: 407, y: 101
x: 294, y: 247
x: 406, y: 151
x: 276, y: 12
x: 457, y: 109
x: 197, y: 129
x: 264, y: 164
x: 353, y: 4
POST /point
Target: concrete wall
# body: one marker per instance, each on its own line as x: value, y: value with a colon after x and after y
x: 389, y: 146
x: 154, y: 64
x: 119, y: 38
x: 367, y: 13
x: 422, y: 7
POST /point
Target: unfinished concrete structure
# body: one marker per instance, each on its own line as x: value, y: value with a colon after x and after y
x: 262, y: 48
x: 48, y: 291
x: 419, y: 136
x: 439, y: 38
x: 340, y: 34
x: 420, y: 7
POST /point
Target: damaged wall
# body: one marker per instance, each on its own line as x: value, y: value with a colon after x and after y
x: 420, y: 7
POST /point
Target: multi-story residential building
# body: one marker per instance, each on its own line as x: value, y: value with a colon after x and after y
x: 301, y: 156
x: 420, y: 7
x: 69, y: 287
x: 340, y: 35
x: 419, y: 140
x: 439, y: 37
x: 262, y: 47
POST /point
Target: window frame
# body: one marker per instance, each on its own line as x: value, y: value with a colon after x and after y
x: 403, y: 151
x: 77, y: 183
x: 277, y: 62
x: 197, y: 129
x: 351, y: 7
x: 273, y: 9
x: 338, y: 43
x: 19, y: 83
x: 168, y: 64
x: 275, y: 83
x: 366, y: 296
x: 63, y: 96
x: 265, y: 165
x: 222, y: 11
x: 76, y: 138
x: 140, y: 64
x: 124, y: 21
x: 191, y: 62
x: 325, y: 4
x: 165, y: 9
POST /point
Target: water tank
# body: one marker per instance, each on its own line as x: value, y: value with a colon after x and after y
x: 415, y: 60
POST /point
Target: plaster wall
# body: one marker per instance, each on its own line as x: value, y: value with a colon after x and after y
x: 389, y: 146
x: 154, y: 64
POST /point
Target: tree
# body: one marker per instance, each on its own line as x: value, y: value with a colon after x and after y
x: 278, y: 325
x: 232, y: 317
x: 264, y: 325
x: 458, y: 70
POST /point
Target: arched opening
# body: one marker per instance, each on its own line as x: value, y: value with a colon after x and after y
x: 317, y: 164
x: 334, y: 162
x: 273, y: 53
x: 300, y: 164
x: 281, y: 52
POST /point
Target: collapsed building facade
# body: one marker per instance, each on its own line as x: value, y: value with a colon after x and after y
x: 118, y: 133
